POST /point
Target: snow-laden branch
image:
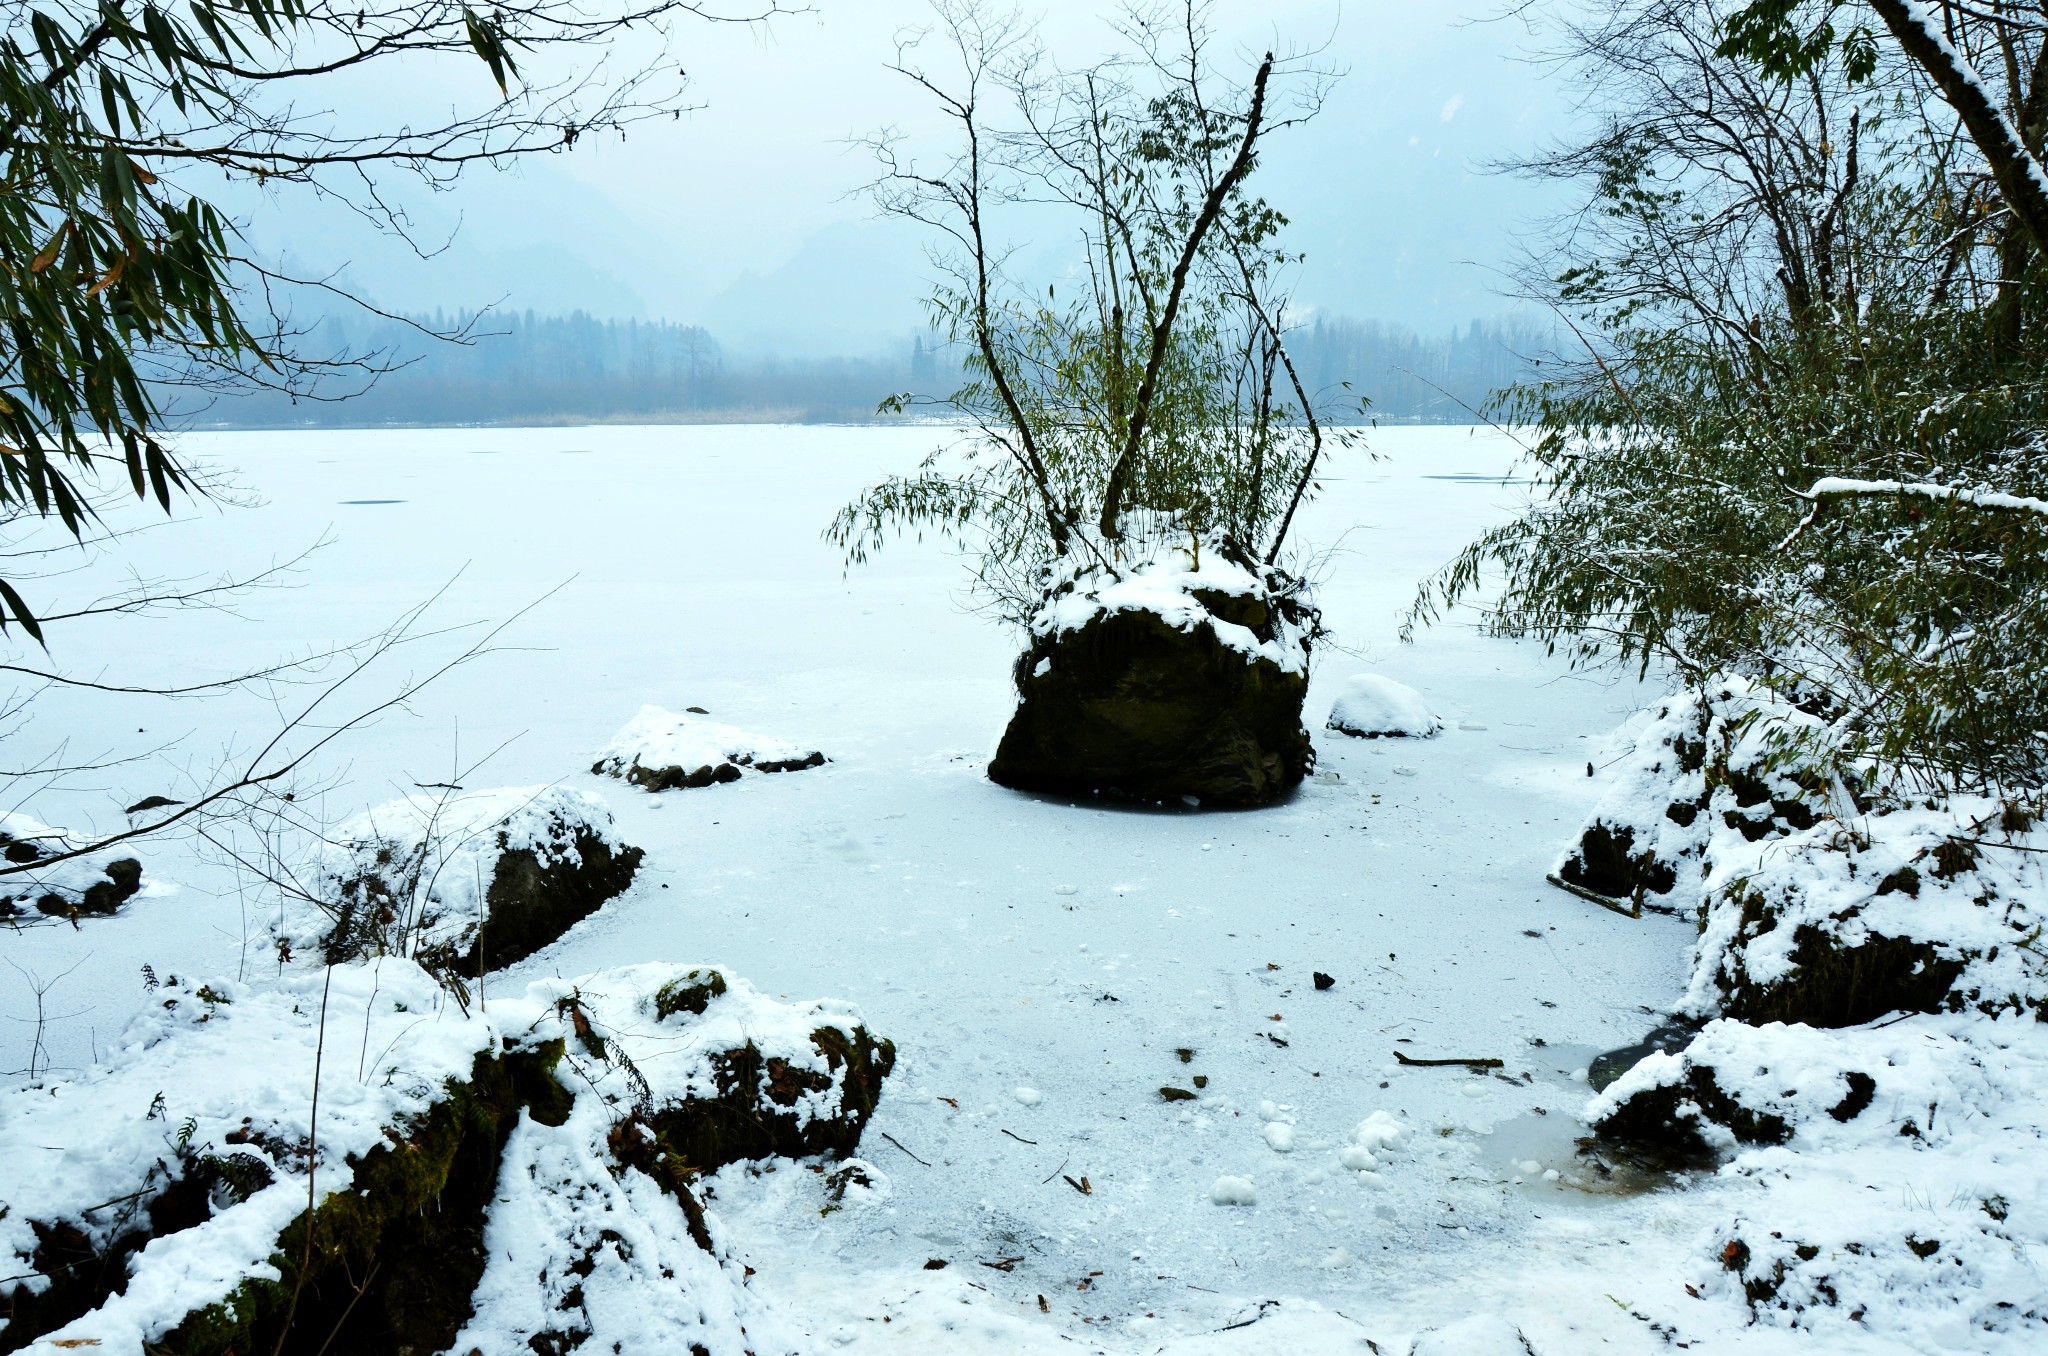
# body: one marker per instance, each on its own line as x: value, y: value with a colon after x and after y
x: 1842, y: 487
x: 2020, y: 178
x: 1830, y: 488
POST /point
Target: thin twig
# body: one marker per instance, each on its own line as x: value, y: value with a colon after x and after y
x: 893, y: 1140
x: 1484, y: 1063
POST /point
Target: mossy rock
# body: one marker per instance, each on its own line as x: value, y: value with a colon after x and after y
x: 758, y: 1113
x: 1834, y: 983
x: 692, y: 994
x: 1130, y: 705
x: 531, y: 901
x: 1607, y: 863
x: 393, y: 1257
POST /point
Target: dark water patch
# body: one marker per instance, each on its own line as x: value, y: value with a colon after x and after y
x: 1665, y: 1039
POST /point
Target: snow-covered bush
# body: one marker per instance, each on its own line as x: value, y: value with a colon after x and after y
x: 659, y: 750
x: 1370, y: 706
x: 463, y: 882
x: 529, y: 1162
x: 95, y: 884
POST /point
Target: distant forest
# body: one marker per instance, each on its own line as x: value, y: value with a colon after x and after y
x: 523, y: 368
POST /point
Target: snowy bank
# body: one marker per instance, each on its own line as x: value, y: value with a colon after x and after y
x: 562, y: 1129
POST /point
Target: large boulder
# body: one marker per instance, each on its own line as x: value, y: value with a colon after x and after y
x: 661, y: 750
x: 465, y: 882
x: 1177, y: 680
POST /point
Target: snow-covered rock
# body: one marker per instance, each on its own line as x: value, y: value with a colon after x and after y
x: 1897, y: 1166
x: 660, y: 750
x: 1705, y: 770
x: 1178, y: 676
x: 464, y: 882
x: 561, y: 1129
x: 1908, y: 908
x: 92, y: 885
x: 1372, y: 707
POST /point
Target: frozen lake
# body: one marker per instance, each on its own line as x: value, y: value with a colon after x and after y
x: 1004, y: 942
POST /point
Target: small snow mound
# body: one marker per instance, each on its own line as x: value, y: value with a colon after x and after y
x: 1280, y: 1137
x: 1372, y: 707
x: 1357, y: 1158
x: 1029, y: 1096
x: 660, y: 750
x: 1234, y: 1191
x: 1479, y: 1335
x: 1379, y: 1133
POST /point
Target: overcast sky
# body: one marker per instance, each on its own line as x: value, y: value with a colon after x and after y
x: 744, y: 216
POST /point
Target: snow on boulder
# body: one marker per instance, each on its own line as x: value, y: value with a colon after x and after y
x: 724, y: 1072
x: 93, y: 885
x: 1373, y: 707
x: 508, y: 1178
x: 1952, y: 1106
x: 464, y: 882
x: 660, y: 750
x: 1704, y: 771
x: 1919, y: 909
x: 1179, y: 676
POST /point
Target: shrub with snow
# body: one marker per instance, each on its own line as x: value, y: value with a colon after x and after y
x: 463, y: 882
x: 660, y: 750
x: 1372, y: 707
